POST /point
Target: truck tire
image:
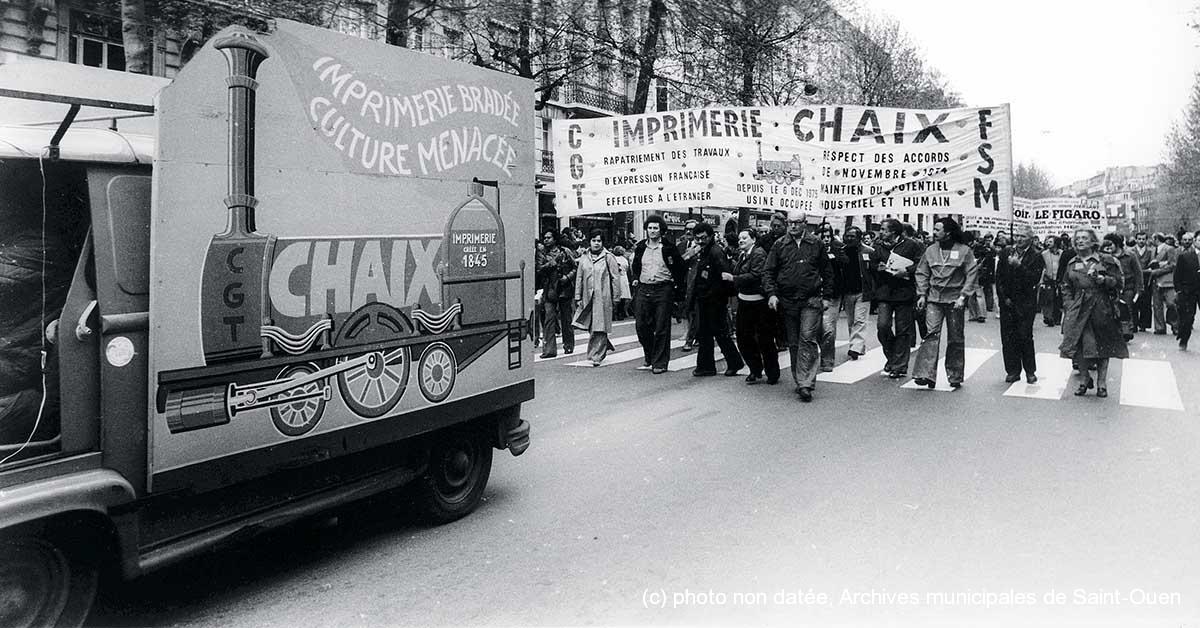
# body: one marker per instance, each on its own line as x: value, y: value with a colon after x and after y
x: 44, y: 582
x: 460, y: 462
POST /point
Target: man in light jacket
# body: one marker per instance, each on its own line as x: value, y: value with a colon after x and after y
x: 1162, y: 273
x: 947, y: 275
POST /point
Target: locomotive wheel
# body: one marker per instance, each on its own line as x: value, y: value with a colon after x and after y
x: 301, y: 416
x: 437, y: 371
x: 372, y: 390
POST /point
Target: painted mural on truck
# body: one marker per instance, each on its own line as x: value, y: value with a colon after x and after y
x: 330, y: 243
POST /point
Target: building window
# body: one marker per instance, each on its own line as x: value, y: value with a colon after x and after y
x: 453, y: 41
x: 96, y: 41
x: 356, y: 19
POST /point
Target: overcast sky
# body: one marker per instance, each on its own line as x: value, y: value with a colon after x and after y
x: 1091, y: 83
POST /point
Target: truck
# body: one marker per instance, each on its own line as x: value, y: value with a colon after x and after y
x: 304, y: 286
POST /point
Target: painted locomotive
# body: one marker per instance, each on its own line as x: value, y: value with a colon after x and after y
x: 288, y: 324
x: 778, y: 172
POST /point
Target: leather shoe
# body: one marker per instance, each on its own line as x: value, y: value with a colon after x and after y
x: 924, y: 381
x: 687, y: 346
x: 658, y: 370
x: 699, y: 373
x: 1032, y: 379
x: 826, y: 369
x: 955, y: 385
x: 853, y: 355
x: 730, y: 372
x: 751, y: 379
x: 771, y: 381
x: 805, y: 395
x: 1012, y: 378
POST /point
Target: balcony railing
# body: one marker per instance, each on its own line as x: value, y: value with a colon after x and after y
x: 592, y: 97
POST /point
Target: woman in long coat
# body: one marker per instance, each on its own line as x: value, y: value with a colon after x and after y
x: 596, y: 285
x: 1091, y: 332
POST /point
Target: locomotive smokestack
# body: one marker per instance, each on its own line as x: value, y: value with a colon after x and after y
x: 244, y: 54
x: 232, y: 299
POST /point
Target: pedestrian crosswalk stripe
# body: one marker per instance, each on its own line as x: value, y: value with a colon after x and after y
x: 974, y: 359
x: 615, y: 341
x: 1149, y: 384
x: 785, y: 356
x: 853, y: 371
x: 627, y: 355
x: 1054, y: 377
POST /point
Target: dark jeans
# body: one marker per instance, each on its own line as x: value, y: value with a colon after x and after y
x: 894, y: 328
x: 712, y: 327
x: 1143, y: 318
x: 989, y: 296
x: 1016, y: 338
x: 803, y: 320
x: 652, y: 309
x: 558, y: 315
x: 756, y: 338
x: 1051, y: 303
x: 1185, y: 302
x: 956, y: 345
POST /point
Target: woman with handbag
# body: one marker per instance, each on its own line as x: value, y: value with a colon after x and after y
x: 596, y: 286
x: 1131, y: 280
x: 1091, y: 330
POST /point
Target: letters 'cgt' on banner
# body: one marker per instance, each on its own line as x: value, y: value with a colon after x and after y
x: 831, y: 160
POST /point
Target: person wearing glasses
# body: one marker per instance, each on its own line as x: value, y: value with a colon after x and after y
x: 798, y: 280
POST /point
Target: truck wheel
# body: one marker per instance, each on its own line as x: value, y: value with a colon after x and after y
x: 44, y: 584
x: 460, y: 463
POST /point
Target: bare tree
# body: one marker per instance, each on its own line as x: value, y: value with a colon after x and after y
x: 137, y: 36
x: 1176, y: 205
x: 544, y: 42
x: 1030, y: 181
x: 735, y: 41
x: 875, y: 63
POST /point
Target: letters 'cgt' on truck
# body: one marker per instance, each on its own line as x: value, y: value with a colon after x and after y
x: 300, y: 290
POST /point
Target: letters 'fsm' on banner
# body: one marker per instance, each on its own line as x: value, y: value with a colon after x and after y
x: 836, y: 160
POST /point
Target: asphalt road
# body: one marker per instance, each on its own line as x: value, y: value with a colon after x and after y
x: 669, y: 500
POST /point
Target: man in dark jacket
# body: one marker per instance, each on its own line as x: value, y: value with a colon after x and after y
x: 1187, y: 285
x: 1018, y: 274
x: 658, y: 271
x: 856, y: 289
x: 895, y: 294
x: 837, y: 261
x: 708, y: 298
x: 556, y: 278
x: 798, y: 279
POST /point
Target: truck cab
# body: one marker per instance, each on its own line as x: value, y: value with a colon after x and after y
x: 184, y: 362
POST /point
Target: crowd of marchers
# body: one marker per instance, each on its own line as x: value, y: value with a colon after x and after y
x: 789, y: 285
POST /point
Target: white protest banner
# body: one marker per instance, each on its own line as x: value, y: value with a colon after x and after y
x: 985, y: 225
x: 832, y: 160
x: 1054, y: 216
